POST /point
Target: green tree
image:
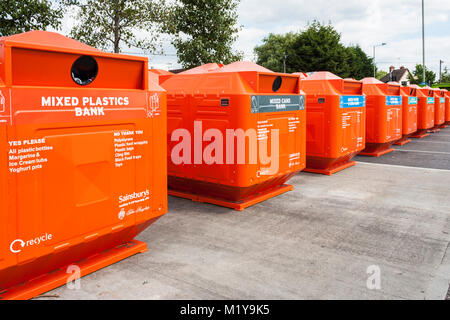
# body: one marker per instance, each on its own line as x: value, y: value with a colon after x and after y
x: 430, y: 76
x: 107, y: 24
x: 361, y: 65
x: 319, y: 49
x: 204, y: 31
x: 275, y: 49
x: 445, y: 76
x: 380, y: 74
x: 18, y: 16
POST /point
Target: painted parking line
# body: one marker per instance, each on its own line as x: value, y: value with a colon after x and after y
x: 443, y: 142
x: 399, y: 166
x: 421, y: 151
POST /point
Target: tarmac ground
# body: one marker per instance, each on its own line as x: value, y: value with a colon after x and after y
x: 379, y: 230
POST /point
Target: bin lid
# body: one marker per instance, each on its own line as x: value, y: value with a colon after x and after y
x: 49, y: 59
x: 209, y: 67
x: 323, y: 75
x: 45, y: 39
x: 371, y: 80
x: 161, y: 72
x: 242, y: 66
x: 301, y: 74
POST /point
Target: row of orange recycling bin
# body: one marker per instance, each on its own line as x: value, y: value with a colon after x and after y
x: 91, y: 143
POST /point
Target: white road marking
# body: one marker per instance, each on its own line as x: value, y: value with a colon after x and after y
x: 444, y: 142
x: 421, y: 151
x: 404, y: 167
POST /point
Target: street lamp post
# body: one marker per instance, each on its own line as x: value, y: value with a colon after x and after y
x: 440, y: 70
x: 374, y: 57
x: 423, y: 41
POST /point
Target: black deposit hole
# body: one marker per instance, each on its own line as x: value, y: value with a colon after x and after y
x: 277, y: 84
x: 84, y: 70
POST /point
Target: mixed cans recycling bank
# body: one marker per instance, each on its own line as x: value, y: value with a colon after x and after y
x: 236, y: 133
x: 336, y: 125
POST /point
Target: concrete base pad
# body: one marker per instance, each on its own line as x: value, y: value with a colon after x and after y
x: 316, y: 242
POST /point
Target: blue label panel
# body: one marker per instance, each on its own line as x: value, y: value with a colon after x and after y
x: 352, y: 101
x: 413, y: 100
x: 430, y: 101
x: 393, y: 100
x: 442, y: 100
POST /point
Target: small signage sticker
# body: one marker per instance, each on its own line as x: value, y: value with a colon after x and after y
x: 442, y: 100
x: 413, y: 100
x: 352, y: 101
x: 393, y: 100
x: 225, y: 102
x: 265, y: 104
x: 430, y: 101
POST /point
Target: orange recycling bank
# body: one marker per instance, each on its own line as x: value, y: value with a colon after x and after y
x: 384, y: 116
x: 439, y: 109
x: 447, y: 106
x: 425, y: 111
x: 236, y: 133
x: 336, y: 125
x: 409, y: 114
x: 83, y: 140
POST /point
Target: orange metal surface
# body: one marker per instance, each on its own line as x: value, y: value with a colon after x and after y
x: 439, y: 108
x: 221, y: 99
x: 384, y: 116
x: 158, y: 75
x: 61, y: 276
x: 335, y: 122
x: 83, y: 167
x: 425, y: 111
x: 409, y: 114
x: 239, y: 205
x: 447, y: 106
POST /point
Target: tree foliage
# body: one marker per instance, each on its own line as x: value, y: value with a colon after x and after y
x: 204, y: 31
x: 430, y: 76
x: 107, y: 24
x: 276, y: 48
x: 318, y: 48
x: 445, y: 76
x: 18, y: 16
x: 381, y: 74
x: 361, y: 65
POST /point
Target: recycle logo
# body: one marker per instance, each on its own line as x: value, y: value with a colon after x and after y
x: 14, y: 247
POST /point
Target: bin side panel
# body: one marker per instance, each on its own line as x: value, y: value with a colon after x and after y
x: 316, y: 127
x: 83, y: 183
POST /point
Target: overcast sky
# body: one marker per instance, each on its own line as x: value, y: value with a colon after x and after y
x: 363, y: 22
